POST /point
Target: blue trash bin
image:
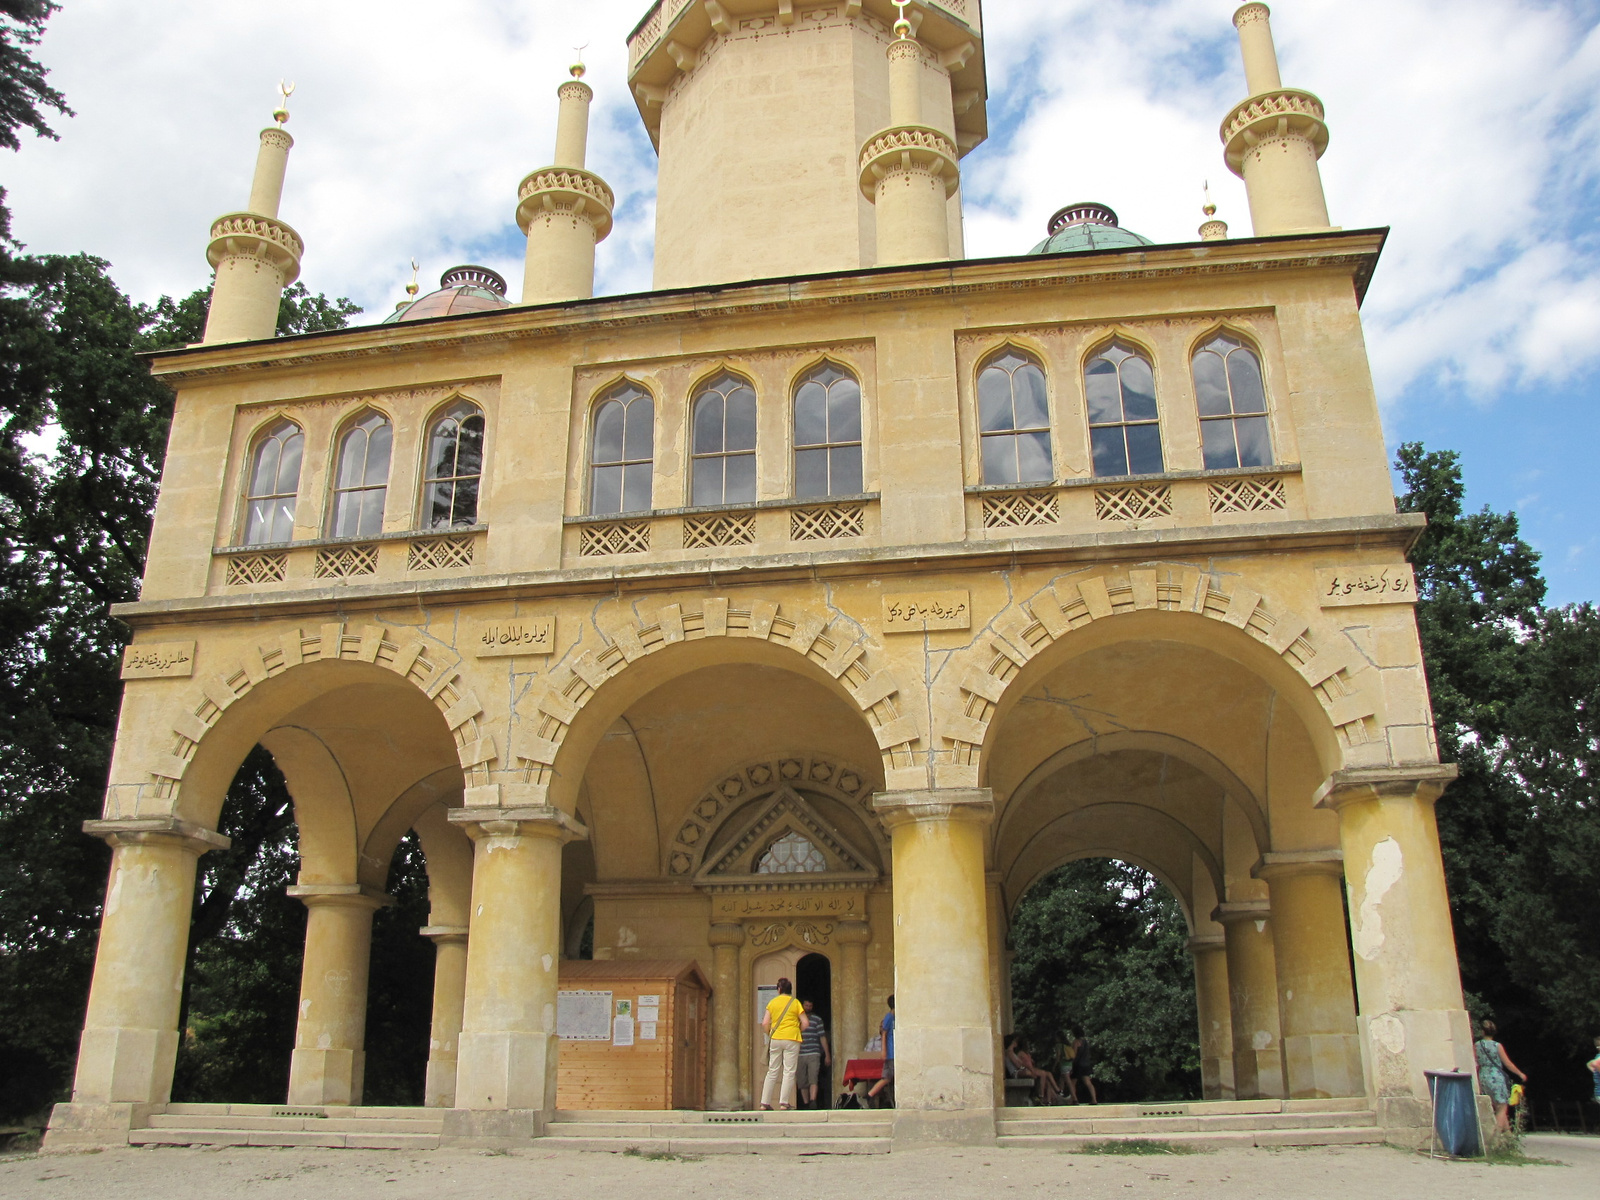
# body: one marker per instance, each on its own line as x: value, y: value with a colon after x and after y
x: 1455, y: 1112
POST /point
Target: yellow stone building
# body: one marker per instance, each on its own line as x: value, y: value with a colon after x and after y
x: 799, y: 614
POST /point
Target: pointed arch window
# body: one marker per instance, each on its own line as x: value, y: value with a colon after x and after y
x: 1124, y: 426
x: 623, y: 451
x: 1232, y: 398
x: 724, y: 454
x: 792, y: 854
x: 454, y: 470
x: 273, y: 482
x: 361, y: 483
x: 827, y: 434
x: 1014, y: 420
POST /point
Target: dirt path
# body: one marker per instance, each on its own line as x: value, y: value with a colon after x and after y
x: 1351, y: 1173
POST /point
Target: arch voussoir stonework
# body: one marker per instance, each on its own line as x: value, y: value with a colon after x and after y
x: 1345, y: 687
x: 842, y: 653
x: 433, y: 670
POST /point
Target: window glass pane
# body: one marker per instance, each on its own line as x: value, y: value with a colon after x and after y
x: 282, y: 520
x: 379, y: 442
x: 810, y: 415
x: 741, y: 479
x: 1255, y: 443
x: 844, y: 411
x: 264, y: 473
x: 466, y: 505
x: 639, y: 435
x: 1144, y: 450
x: 1210, y: 385
x: 810, y: 473
x: 1110, y: 451
x: 352, y: 458
x: 999, y: 459
x: 608, y: 432
x: 346, y: 514
x: 605, y: 495
x: 845, y: 478
x: 707, y: 482
x: 708, y: 424
x: 1105, y: 399
x: 1217, y: 438
x: 636, y: 487
x: 371, y: 511
x: 258, y: 523
x: 1033, y: 457
x: 1244, y: 372
x: 994, y: 400
x: 439, y: 504
x: 442, y: 450
x: 741, y: 420
x: 1138, y: 390
x: 469, y: 452
x: 1032, y: 407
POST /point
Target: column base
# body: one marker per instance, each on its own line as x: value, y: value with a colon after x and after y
x: 1216, y: 1078
x: 125, y: 1065
x: 969, y: 1127
x: 439, y: 1087
x: 76, y: 1127
x: 318, y: 1077
x: 1322, y: 1066
x: 1258, y: 1074
x: 479, y: 1130
x: 506, y: 1071
x: 1397, y: 1047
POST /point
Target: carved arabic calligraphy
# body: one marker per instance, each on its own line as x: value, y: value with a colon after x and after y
x: 843, y: 906
x: 158, y: 660
x: 916, y: 611
x: 1339, y: 586
x: 514, y: 635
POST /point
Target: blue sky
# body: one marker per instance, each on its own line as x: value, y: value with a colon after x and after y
x: 1470, y: 127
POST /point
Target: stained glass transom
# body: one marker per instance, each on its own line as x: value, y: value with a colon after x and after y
x: 791, y: 855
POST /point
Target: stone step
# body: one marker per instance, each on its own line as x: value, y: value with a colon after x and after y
x: 283, y: 1137
x: 733, y: 1120
x: 714, y: 1145
x: 1043, y: 1125
x: 432, y: 1123
x: 630, y: 1129
x: 1333, y: 1136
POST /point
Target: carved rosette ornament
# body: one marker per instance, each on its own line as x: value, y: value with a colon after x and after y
x: 251, y: 235
x: 1272, y: 117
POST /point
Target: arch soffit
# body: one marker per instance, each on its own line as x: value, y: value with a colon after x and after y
x: 1185, y: 751
x: 440, y: 787
x: 1098, y: 851
x: 1337, y: 695
x: 831, y: 650
x: 203, y: 722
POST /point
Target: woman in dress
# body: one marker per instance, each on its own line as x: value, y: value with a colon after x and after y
x: 1493, y: 1063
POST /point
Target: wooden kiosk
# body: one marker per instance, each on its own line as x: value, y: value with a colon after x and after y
x: 634, y: 1035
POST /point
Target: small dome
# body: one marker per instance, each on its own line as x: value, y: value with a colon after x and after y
x: 1087, y: 227
x: 461, y: 290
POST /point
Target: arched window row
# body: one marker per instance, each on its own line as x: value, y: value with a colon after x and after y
x: 1124, y: 412
x: 825, y: 424
x: 363, y: 450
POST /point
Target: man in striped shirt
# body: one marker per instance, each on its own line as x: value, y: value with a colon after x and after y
x: 814, y: 1052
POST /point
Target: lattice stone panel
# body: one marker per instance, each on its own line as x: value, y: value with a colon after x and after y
x: 615, y: 537
x: 1248, y: 495
x: 833, y: 521
x: 1019, y: 508
x: 723, y: 530
x: 338, y: 562
x: 256, y: 568
x: 436, y: 554
x: 1137, y: 502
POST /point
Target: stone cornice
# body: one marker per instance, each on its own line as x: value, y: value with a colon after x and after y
x: 1352, y: 252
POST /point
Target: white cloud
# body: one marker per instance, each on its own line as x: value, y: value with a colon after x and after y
x: 1470, y: 126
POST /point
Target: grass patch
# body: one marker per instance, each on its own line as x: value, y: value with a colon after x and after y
x: 1505, y: 1150
x: 1135, y: 1146
x: 659, y: 1155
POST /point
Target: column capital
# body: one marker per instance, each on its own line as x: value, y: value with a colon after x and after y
x: 1356, y: 784
x: 1251, y: 12
x: 852, y: 933
x: 1202, y: 943
x: 727, y: 933
x: 934, y: 804
x: 158, y: 831
x: 1276, y: 865
x: 535, y: 820
x: 442, y: 935
x: 339, y: 895
x: 1235, y: 911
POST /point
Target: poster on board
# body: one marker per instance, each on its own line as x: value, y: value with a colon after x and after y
x: 622, y: 1031
x: 583, y: 1016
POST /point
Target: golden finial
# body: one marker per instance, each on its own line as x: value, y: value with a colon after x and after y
x: 577, y: 69
x: 281, y: 113
x: 1210, y: 209
x: 411, y: 288
x: 902, y: 27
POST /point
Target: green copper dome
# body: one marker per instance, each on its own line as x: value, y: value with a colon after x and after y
x: 1087, y: 227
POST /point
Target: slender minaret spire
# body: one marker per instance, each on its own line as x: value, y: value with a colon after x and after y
x: 1275, y: 138
x: 254, y: 254
x: 909, y: 170
x: 564, y: 209
x: 1211, y: 229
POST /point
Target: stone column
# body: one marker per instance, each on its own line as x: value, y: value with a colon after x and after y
x: 1253, y: 999
x: 507, y: 1052
x: 726, y: 938
x: 130, y: 1034
x: 1211, y: 1010
x: 1412, y: 1016
x: 329, y: 1061
x: 850, y: 1029
x: 1321, y: 1050
x: 449, y: 994
x: 944, y: 1036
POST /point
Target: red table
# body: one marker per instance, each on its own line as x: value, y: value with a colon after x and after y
x: 861, y: 1070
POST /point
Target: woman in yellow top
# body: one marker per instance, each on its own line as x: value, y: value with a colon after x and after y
x: 783, y: 1024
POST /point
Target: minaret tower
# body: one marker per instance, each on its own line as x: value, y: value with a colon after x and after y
x: 564, y: 209
x: 909, y: 170
x: 254, y: 254
x: 1275, y: 138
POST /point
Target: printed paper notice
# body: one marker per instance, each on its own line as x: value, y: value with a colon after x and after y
x: 622, y: 1031
x: 583, y: 1016
x: 647, y: 1030
x: 649, y: 1002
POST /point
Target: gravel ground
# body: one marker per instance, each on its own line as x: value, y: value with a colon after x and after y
x: 1321, y: 1173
